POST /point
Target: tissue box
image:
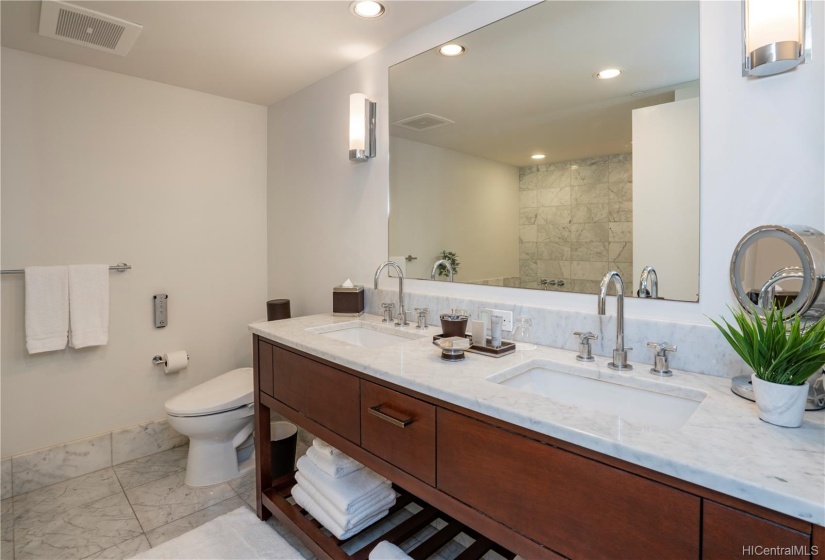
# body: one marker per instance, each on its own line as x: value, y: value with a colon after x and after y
x: 348, y: 302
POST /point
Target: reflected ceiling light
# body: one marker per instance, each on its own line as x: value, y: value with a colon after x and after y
x: 367, y: 9
x: 607, y: 73
x: 452, y: 49
x: 776, y: 35
x: 538, y: 156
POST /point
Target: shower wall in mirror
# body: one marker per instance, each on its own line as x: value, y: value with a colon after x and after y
x: 618, y: 186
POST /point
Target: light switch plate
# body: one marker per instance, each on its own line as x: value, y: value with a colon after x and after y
x: 506, y: 316
x: 161, y: 310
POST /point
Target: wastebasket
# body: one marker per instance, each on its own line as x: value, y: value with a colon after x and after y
x: 284, y: 438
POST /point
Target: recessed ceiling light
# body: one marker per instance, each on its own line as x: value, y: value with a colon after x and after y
x: 538, y: 156
x: 452, y: 49
x: 607, y: 74
x: 367, y: 9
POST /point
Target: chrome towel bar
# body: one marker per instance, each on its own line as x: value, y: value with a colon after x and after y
x: 120, y: 267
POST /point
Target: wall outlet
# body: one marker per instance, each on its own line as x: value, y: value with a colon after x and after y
x: 507, y: 318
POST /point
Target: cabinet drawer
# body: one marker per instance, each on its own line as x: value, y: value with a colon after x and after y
x: 730, y: 533
x: 571, y: 504
x: 265, y: 367
x: 322, y: 393
x: 399, y: 429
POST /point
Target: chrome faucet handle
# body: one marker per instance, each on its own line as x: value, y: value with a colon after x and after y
x: 585, y: 351
x: 422, y: 317
x: 660, y: 365
x: 403, y: 318
x: 389, y: 311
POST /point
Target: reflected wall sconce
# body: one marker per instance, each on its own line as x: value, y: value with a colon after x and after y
x: 361, y: 127
x: 776, y: 36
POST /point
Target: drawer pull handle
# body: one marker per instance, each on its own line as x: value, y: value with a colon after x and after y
x: 376, y: 411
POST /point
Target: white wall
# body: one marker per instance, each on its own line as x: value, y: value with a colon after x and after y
x: 97, y: 168
x: 446, y: 200
x: 762, y: 162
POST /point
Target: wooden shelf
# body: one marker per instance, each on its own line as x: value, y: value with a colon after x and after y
x: 325, y: 546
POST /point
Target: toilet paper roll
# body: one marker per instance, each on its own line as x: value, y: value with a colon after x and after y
x: 175, y: 361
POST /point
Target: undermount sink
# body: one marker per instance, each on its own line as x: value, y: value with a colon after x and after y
x: 364, y: 334
x: 638, y: 401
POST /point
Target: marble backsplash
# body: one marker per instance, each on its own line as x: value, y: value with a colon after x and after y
x: 701, y: 348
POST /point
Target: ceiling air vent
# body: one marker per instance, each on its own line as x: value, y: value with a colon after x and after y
x: 81, y: 26
x: 422, y: 122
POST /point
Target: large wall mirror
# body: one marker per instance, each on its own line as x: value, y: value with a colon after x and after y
x: 618, y: 186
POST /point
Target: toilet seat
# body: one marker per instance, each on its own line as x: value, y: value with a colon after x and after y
x: 226, y: 392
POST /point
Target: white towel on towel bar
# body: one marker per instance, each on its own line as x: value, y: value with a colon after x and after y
x: 47, y: 308
x: 302, y: 499
x: 89, y: 305
x: 348, y: 493
x: 336, y: 466
x: 383, y: 498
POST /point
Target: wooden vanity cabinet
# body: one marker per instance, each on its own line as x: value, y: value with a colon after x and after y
x: 538, y: 496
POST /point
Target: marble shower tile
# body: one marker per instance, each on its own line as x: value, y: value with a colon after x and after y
x: 553, y: 233
x: 554, y: 197
x: 527, y: 234
x: 30, y: 507
x: 585, y: 286
x: 5, y: 478
x: 527, y: 182
x: 620, y: 192
x: 553, y: 251
x: 527, y: 199
x: 581, y: 233
x: 527, y: 251
x: 621, y: 211
x: 620, y: 251
x: 180, y: 526
x: 145, y: 439
x: 55, y: 464
x: 554, y: 178
x: 549, y: 269
x: 527, y: 216
x: 7, y: 529
x: 126, y: 549
x: 620, y: 171
x: 589, y: 213
x: 621, y: 231
x: 554, y: 215
x: 168, y: 499
x: 589, y: 251
x: 78, y: 532
x: 583, y: 270
x: 152, y: 467
x: 590, y: 194
x: 594, y: 173
x: 527, y: 269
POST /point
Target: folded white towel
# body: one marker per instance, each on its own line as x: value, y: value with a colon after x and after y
x: 302, y: 499
x: 348, y: 493
x: 384, y: 498
x: 335, y: 466
x: 324, y: 447
x: 385, y: 550
x: 89, y: 305
x: 47, y: 308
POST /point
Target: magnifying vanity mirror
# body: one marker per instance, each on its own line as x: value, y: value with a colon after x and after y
x: 782, y: 265
x: 522, y: 165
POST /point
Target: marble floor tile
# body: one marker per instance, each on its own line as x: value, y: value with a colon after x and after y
x: 5, y: 479
x: 30, y: 507
x: 139, y: 441
x: 55, y: 464
x: 168, y: 499
x: 291, y: 539
x: 152, y: 467
x: 244, y: 487
x: 78, y: 532
x: 126, y: 549
x: 7, y: 529
x: 185, y: 524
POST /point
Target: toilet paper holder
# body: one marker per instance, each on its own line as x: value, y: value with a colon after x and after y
x: 159, y: 361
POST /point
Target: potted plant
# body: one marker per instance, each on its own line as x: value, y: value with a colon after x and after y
x: 450, y: 257
x: 782, y: 357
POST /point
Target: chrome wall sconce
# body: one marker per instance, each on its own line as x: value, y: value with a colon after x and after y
x: 361, y: 127
x: 776, y: 36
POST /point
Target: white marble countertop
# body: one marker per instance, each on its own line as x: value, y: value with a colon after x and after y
x: 723, y: 446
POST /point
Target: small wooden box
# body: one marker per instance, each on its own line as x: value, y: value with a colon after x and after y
x: 348, y: 302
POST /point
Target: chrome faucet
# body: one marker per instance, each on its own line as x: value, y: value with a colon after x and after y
x: 446, y: 263
x: 648, y: 283
x: 620, y: 352
x: 401, y: 318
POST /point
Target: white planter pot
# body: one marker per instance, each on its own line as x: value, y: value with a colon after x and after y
x: 781, y: 405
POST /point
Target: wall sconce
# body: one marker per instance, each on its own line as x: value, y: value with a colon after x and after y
x: 361, y: 127
x: 776, y: 36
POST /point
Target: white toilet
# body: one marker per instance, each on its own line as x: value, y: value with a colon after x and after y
x: 218, y: 417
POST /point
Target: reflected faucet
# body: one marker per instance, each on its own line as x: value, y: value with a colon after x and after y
x: 648, y: 283
x: 620, y: 352
x: 446, y: 263
x: 401, y: 318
